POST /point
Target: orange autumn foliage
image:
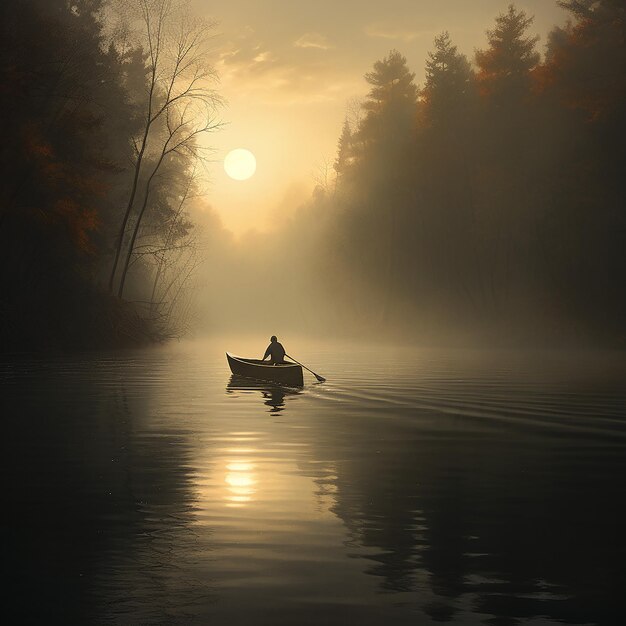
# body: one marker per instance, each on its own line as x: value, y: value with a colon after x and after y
x: 68, y: 190
x: 586, y: 67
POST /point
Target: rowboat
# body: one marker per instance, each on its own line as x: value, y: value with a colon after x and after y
x: 289, y: 374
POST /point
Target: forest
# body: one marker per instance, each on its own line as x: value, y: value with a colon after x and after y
x: 487, y: 202
x: 105, y: 104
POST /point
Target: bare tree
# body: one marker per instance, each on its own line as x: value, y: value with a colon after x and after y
x: 180, y: 105
x: 171, y: 244
x: 354, y: 113
x: 324, y: 175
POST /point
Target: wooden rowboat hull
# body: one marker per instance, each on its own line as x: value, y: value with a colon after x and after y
x: 289, y: 374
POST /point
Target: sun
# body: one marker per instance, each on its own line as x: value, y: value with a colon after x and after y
x: 240, y: 164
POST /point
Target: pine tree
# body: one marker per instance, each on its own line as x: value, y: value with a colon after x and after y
x: 449, y: 80
x: 390, y: 104
x: 344, y: 149
x: 592, y: 9
x: 506, y: 65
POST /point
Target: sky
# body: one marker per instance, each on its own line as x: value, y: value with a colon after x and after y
x: 289, y: 70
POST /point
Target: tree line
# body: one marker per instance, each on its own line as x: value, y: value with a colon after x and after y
x: 492, y: 197
x: 104, y: 105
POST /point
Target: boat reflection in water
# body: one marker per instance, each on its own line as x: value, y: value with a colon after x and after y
x: 274, y: 395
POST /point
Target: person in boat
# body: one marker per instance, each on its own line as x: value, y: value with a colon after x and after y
x: 275, y: 351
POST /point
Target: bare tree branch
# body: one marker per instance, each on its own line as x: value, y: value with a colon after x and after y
x: 179, y: 93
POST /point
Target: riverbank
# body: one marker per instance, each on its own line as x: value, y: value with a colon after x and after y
x: 77, y: 320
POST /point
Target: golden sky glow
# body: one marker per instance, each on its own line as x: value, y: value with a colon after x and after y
x: 288, y: 69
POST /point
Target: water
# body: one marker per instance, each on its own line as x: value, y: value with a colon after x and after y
x: 414, y: 487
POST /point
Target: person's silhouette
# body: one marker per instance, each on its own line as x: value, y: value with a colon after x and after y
x: 275, y: 351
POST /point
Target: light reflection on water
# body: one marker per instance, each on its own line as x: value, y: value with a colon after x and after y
x: 414, y: 486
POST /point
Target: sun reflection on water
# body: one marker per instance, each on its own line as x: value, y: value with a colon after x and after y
x: 240, y: 477
x: 240, y: 482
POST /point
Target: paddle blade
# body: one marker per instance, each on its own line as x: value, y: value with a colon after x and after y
x: 321, y: 379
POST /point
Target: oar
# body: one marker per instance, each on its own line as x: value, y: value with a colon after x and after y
x: 320, y: 378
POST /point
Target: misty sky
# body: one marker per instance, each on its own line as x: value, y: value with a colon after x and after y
x: 288, y: 69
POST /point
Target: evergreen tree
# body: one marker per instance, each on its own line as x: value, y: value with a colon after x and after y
x: 390, y: 104
x: 449, y: 81
x: 442, y: 167
x: 596, y: 9
x: 506, y: 65
x: 344, y: 149
x: 575, y: 53
x: 583, y: 91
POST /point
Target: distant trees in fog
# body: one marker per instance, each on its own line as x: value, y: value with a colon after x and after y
x: 494, y: 193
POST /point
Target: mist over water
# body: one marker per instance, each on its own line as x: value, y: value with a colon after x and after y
x: 415, y: 485
x: 468, y: 218
x: 482, y: 203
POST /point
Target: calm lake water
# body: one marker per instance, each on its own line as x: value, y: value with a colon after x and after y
x: 414, y: 487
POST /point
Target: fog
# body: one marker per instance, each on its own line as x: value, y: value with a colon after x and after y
x: 472, y: 200
x: 484, y: 204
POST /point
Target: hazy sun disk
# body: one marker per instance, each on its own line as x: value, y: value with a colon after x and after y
x: 240, y: 164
